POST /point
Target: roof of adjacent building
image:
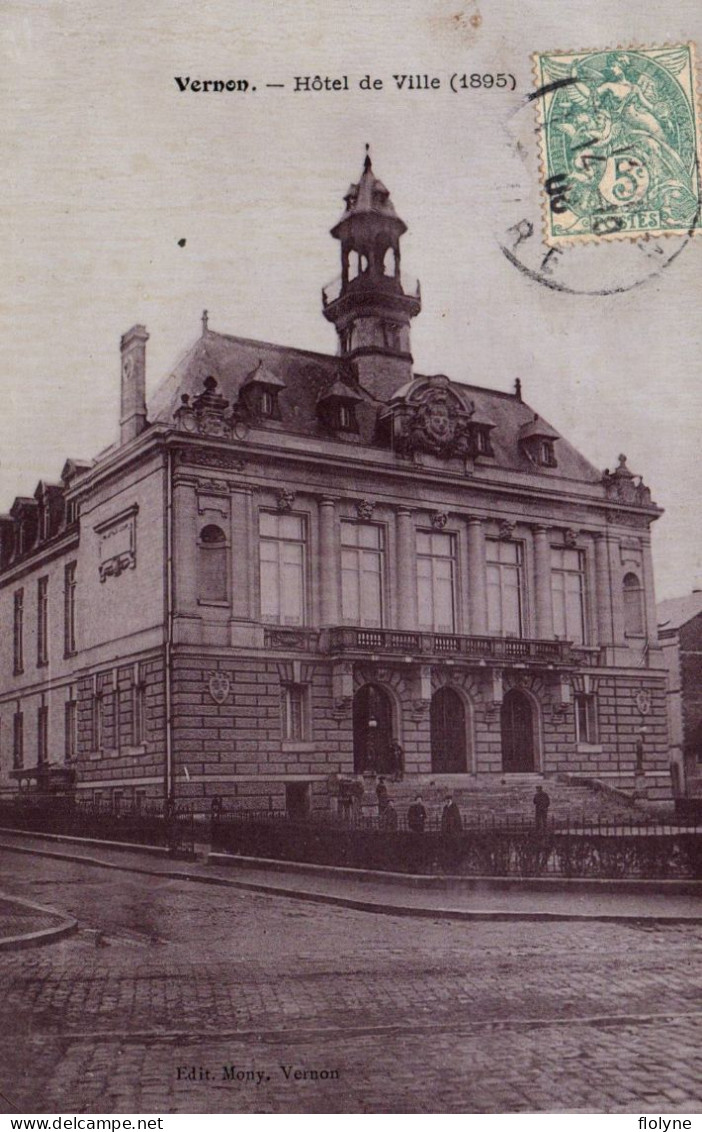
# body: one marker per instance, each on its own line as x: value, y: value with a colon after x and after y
x: 677, y: 611
x: 308, y: 376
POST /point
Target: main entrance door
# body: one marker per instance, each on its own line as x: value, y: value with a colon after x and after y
x: 448, y: 733
x: 372, y: 731
x: 517, y: 719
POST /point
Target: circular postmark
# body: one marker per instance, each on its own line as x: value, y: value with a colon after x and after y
x: 602, y: 177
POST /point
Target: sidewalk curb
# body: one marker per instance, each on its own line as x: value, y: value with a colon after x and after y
x: 456, y: 914
x: 67, y: 926
x: 453, y: 882
x: 95, y: 842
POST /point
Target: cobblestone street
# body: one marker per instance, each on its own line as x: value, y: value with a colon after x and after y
x: 170, y: 991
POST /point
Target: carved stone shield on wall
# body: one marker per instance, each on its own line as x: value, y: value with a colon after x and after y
x: 219, y: 686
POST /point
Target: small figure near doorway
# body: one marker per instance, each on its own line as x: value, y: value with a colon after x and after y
x: 542, y: 801
x: 388, y: 816
x: 451, y: 830
x: 397, y: 761
x: 451, y: 820
x: 381, y: 793
x: 417, y: 816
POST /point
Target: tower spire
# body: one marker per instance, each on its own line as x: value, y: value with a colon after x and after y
x: 372, y: 307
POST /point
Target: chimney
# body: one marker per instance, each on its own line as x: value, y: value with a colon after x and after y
x: 133, y: 394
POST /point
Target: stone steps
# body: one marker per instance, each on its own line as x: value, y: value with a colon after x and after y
x: 502, y: 799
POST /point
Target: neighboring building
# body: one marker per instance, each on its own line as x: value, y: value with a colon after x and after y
x: 297, y: 562
x: 680, y: 633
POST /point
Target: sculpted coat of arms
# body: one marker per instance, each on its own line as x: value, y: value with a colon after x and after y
x: 219, y: 686
x: 437, y: 425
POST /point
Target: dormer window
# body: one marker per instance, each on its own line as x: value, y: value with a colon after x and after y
x: 337, y: 408
x: 259, y: 395
x: 547, y: 456
x: 483, y: 445
x: 537, y: 442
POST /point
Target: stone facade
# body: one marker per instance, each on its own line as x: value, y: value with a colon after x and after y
x: 680, y: 630
x: 298, y: 568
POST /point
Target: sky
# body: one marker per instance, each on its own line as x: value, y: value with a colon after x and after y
x: 129, y: 201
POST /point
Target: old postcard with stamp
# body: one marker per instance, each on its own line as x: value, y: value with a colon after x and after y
x: 350, y: 560
x: 619, y: 142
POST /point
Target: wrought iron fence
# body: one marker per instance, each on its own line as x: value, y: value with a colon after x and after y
x: 147, y: 824
x: 639, y: 847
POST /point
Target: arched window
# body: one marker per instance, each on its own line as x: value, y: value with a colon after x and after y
x: 633, y: 606
x: 212, y: 565
x: 448, y: 733
x: 373, y: 747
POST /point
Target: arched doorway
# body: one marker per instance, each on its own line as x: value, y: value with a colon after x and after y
x: 372, y: 731
x: 517, y: 722
x: 448, y: 733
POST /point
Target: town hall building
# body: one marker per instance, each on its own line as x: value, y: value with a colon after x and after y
x: 299, y: 569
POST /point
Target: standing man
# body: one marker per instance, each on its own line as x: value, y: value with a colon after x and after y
x: 417, y: 816
x: 541, y: 805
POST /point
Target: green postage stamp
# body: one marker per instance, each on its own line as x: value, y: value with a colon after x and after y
x: 619, y: 143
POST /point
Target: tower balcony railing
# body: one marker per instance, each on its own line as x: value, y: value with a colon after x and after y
x: 408, y: 285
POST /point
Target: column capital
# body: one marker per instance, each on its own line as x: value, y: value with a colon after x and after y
x: 541, y: 528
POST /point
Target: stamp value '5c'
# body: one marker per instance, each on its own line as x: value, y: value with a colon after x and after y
x: 619, y: 143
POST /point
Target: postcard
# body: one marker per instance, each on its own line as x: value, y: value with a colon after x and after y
x: 350, y: 575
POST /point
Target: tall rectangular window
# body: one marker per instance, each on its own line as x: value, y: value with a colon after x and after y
x: 568, y: 594
x: 505, y: 587
x: 18, y: 740
x: 585, y: 718
x: 69, y: 609
x: 42, y: 735
x: 70, y: 730
x: 362, y: 569
x: 42, y: 621
x: 283, y: 568
x: 436, y: 581
x: 138, y: 711
x: 98, y: 721
x: 292, y: 711
x: 18, y: 632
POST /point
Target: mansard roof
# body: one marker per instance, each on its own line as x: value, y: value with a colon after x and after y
x: 677, y: 611
x: 308, y: 376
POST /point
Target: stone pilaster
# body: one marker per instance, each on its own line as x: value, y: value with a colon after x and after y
x: 649, y: 593
x: 542, y: 570
x: 604, y: 591
x: 477, y: 578
x: 185, y: 547
x: 406, y: 571
x: 328, y: 577
x: 615, y: 580
x: 243, y: 541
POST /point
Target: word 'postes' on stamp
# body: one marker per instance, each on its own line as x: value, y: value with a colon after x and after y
x: 619, y: 143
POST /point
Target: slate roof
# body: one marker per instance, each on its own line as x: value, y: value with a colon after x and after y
x: 308, y: 376
x: 677, y: 611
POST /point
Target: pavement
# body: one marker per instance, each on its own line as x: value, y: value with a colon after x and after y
x: 24, y: 924
x: 180, y: 996
x: 458, y: 898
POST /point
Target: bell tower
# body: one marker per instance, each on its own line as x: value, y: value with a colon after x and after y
x: 369, y: 305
